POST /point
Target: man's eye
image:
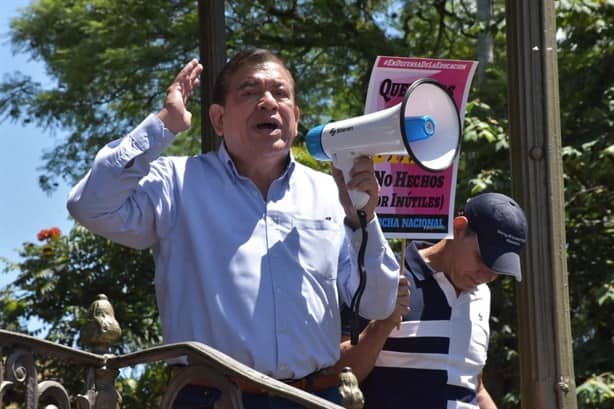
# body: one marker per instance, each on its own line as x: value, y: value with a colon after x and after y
x: 248, y: 91
x: 281, y: 94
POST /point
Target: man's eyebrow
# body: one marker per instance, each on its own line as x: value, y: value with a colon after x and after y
x: 249, y: 82
x: 253, y: 82
x: 280, y: 83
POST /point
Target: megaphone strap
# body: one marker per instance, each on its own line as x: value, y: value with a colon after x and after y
x: 355, y: 306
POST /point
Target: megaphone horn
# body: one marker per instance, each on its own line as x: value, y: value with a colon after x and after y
x: 426, y: 125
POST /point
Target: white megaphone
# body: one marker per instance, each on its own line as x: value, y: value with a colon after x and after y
x: 426, y: 125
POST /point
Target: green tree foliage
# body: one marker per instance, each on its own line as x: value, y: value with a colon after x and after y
x: 66, y: 272
x: 61, y: 275
x: 586, y: 58
x: 110, y: 62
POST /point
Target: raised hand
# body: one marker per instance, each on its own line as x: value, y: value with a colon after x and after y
x: 175, y: 115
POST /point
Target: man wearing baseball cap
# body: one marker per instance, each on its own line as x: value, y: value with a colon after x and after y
x: 433, y: 356
x: 501, y: 229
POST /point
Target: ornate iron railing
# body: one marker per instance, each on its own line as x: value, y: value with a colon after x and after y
x: 18, y: 370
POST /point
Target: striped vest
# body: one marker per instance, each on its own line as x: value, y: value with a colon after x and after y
x: 434, y: 359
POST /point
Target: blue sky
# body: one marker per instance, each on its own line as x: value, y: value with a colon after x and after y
x: 24, y: 208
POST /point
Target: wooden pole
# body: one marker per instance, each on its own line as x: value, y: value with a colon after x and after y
x: 544, y: 330
x: 212, y: 25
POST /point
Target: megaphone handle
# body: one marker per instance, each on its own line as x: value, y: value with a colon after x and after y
x: 344, y: 161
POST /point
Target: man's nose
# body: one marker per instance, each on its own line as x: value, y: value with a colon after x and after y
x: 268, y: 101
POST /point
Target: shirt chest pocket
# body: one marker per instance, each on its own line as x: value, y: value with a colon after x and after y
x: 315, y: 244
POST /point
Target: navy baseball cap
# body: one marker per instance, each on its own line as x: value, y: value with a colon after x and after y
x: 502, y: 231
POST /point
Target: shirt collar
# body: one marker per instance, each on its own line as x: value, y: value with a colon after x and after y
x: 416, y: 264
x: 227, y: 162
x: 231, y: 168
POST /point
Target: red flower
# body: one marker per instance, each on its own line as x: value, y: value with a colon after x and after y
x: 48, y: 234
x: 42, y: 235
x: 54, y: 232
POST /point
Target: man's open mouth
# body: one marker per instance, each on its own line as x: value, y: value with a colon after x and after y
x: 267, y: 126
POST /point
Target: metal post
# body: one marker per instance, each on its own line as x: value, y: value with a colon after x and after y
x: 545, y: 342
x: 485, y: 38
x: 213, y: 57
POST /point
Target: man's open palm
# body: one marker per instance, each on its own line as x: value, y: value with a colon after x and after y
x: 175, y: 115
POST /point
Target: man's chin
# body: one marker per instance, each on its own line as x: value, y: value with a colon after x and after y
x: 281, y: 144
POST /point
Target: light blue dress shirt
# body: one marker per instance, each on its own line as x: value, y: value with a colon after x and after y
x: 258, y: 279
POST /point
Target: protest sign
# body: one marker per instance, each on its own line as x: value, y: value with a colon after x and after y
x: 415, y: 203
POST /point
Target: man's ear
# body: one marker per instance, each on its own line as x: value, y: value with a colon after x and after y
x: 216, y: 116
x: 460, y: 225
x: 297, y: 117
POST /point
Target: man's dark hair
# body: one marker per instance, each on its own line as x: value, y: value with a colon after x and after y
x: 249, y: 56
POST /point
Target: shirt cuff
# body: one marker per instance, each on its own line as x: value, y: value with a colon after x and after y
x: 376, y: 240
x: 148, y: 140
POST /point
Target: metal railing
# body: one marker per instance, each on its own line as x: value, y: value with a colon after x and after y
x: 18, y: 370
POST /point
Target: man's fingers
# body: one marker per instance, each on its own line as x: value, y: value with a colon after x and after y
x: 403, y: 282
x: 403, y: 293
x: 402, y: 307
x: 188, y: 77
x: 175, y: 114
x: 337, y: 174
x: 194, y: 76
x: 340, y: 181
x: 364, y: 183
x: 362, y: 164
x: 187, y: 80
x: 187, y: 69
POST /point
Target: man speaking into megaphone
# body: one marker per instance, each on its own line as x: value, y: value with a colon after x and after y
x: 253, y: 250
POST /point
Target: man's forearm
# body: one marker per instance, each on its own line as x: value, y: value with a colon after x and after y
x: 362, y: 356
x: 484, y: 399
x: 382, y: 268
x: 107, y: 200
